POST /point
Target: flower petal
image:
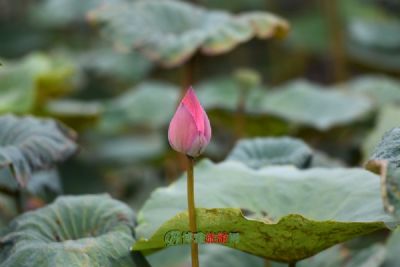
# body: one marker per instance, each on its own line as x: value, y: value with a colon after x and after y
x: 193, y: 105
x: 182, y: 130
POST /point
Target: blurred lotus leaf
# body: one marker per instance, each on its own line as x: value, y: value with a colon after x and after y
x: 75, y: 113
x: 63, y: 13
x: 45, y: 184
x: 375, y: 58
x: 170, y: 32
x: 34, y: 79
x: 388, y: 118
x: 392, y: 250
x: 376, y: 34
x: 224, y: 93
x: 124, y: 149
x: 210, y: 256
x: 381, y: 89
x: 88, y: 230
x: 274, y: 198
x: 141, y: 106
x: 371, y: 256
x: 260, y: 152
x: 306, y: 103
x: 373, y: 41
x: 28, y: 144
x: 109, y: 63
x: 235, y: 5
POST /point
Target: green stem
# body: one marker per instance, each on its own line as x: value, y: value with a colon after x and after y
x: 337, y: 39
x: 240, y: 114
x: 292, y: 264
x: 192, y: 211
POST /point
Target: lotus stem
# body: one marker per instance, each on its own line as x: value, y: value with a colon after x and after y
x: 188, y: 74
x: 337, y: 43
x: 240, y: 114
x: 192, y: 211
x: 292, y: 264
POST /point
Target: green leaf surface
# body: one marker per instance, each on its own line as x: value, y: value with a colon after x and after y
x: 28, y: 144
x: 170, y: 32
x: 17, y: 92
x: 321, y: 196
x: 306, y: 103
x: 109, y: 63
x: 382, y: 90
x: 210, y: 256
x: 224, y: 93
x: 261, y: 152
x: 91, y: 230
x: 388, y: 148
x: 372, y: 256
x: 44, y: 183
x: 36, y: 77
x: 62, y: 13
x: 378, y: 34
x: 392, y: 250
x: 290, y: 239
x: 388, y: 118
x: 124, y: 149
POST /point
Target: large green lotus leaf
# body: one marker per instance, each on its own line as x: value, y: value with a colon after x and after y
x: 261, y: 152
x: 170, y: 32
x: 323, y: 198
x: 309, y: 104
x: 388, y: 118
x: 150, y: 104
x: 28, y: 144
x: 383, y: 90
x: 89, y: 230
x: 263, y: 238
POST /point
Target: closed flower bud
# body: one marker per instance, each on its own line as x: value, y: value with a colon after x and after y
x: 189, y: 130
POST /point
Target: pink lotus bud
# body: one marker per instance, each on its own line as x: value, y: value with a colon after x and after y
x: 189, y: 130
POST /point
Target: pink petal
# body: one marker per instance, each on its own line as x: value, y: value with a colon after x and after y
x: 194, y: 107
x: 182, y: 130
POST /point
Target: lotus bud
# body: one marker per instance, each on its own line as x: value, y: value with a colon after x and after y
x: 247, y: 78
x: 189, y: 130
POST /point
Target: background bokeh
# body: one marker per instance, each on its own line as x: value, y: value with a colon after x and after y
x: 332, y: 81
